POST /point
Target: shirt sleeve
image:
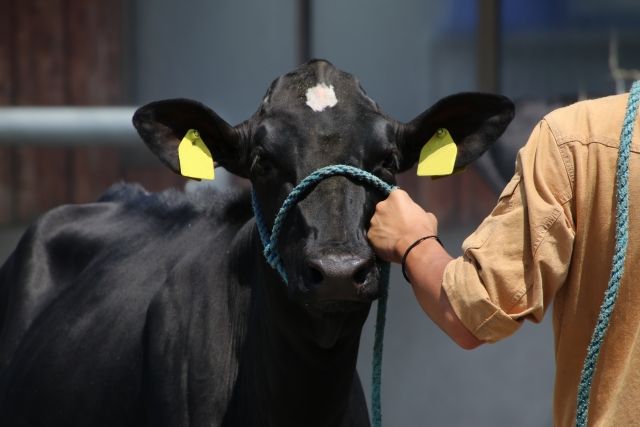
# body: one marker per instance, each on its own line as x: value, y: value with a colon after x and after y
x: 519, y: 256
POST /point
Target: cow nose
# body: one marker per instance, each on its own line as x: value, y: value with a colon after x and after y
x: 339, y: 277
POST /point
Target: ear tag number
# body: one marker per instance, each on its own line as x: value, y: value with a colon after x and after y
x: 438, y: 156
x: 195, y: 158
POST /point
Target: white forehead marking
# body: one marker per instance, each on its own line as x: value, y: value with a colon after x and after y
x: 321, y: 96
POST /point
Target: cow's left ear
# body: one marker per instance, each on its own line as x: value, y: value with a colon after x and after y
x: 163, y: 124
x: 474, y: 120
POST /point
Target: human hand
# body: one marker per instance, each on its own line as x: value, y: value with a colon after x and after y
x: 397, y: 222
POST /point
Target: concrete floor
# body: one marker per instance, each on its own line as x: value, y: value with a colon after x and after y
x: 427, y: 380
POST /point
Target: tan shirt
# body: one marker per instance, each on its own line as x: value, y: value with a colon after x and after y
x: 550, y: 239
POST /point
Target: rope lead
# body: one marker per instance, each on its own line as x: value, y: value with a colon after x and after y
x: 270, y: 244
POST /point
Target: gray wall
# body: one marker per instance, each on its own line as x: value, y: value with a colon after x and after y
x: 226, y: 53
x: 223, y: 53
x: 386, y: 44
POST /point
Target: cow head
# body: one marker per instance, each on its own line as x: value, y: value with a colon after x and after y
x: 312, y: 117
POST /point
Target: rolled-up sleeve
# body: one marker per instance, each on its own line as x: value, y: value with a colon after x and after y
x: 517, y: 259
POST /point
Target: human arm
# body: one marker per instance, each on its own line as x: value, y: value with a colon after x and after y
x: 518, y: 257
x: 397, y: 223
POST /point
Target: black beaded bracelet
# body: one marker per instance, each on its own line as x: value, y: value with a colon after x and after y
x: 411, y: 246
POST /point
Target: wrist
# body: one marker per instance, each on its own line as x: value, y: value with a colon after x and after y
x: 403, y: 244
x: 424, y: 241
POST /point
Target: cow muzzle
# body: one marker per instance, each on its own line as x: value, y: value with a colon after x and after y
x: 340, y: 281
x: 356, y: 276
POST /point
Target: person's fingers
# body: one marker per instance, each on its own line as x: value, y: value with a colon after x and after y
x: 398, y: 194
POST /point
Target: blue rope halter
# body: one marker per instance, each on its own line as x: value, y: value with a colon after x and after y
x: 617, y: 269
x: 270, y: 244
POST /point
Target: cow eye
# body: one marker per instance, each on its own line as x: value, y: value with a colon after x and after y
x: 260, y: 165
x: 388, y: 167
x: 390, y: 163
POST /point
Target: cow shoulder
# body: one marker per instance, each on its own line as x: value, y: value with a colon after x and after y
x: 51, y: 251
x: 87, y: 277
x: 195, y: 323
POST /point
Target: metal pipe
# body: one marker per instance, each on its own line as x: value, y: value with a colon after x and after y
x: 489, y: 46
x: 67, y: 126
x: 304, y: 22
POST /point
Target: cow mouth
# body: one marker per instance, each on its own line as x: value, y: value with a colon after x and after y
x: 334, y: 320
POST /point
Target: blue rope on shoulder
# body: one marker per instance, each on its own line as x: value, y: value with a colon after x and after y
x: 617, y: 269
x: 270, y: 244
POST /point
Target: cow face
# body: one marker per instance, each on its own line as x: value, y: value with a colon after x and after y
x: 312, y: 117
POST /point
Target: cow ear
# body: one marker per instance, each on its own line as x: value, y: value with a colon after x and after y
x: 163, y: 124
x: 474, y: 120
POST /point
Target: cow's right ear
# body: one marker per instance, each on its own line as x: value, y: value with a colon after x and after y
x: 163, y: 124
x: 474, y: 120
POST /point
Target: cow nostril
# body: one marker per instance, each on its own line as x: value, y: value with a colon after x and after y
x: 360, y: 276
x: 338, y: 271
x: 315, y: 276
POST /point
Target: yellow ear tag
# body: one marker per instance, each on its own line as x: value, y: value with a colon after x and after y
x: 438, y: 156
x: 195, y: 158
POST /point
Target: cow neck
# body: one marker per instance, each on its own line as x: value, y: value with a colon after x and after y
x: 286, y: 372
